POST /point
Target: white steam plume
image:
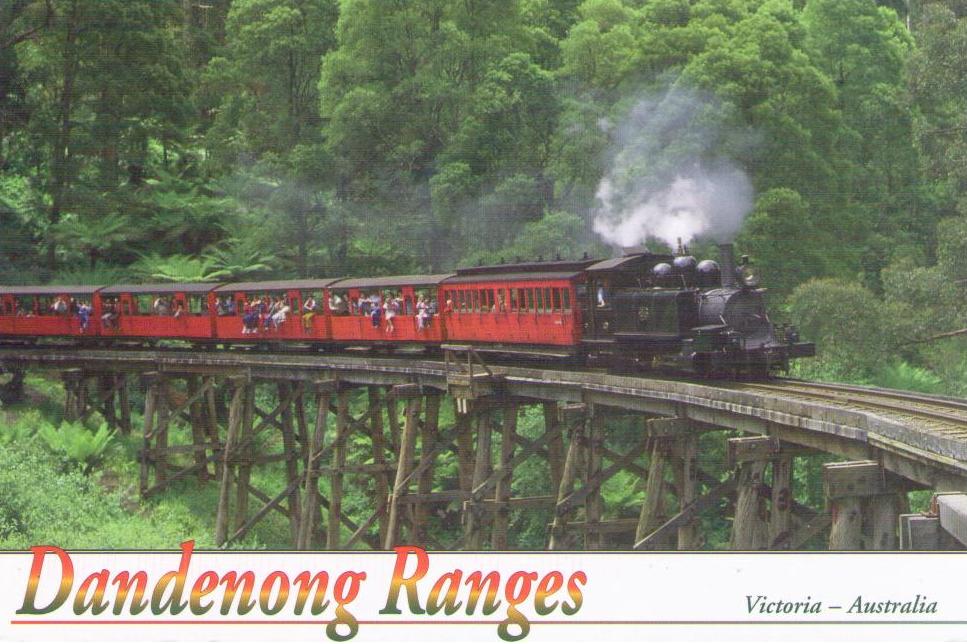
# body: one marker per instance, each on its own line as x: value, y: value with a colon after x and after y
x: 670, y: 175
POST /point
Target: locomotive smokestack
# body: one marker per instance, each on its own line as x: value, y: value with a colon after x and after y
x: 727, y: 260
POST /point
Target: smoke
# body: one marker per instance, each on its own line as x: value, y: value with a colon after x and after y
x: 672, y: 175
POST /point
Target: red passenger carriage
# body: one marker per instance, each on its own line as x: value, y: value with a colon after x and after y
x: 152, y: 311
x: 504, y: 307
x: 48, y: 311
x: 352, y: 302
x: 232, y: 301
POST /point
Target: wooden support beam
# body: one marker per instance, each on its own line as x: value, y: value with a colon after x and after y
x: 292, y: 456
x: 464, y: 434
x: 124, y: 404
x: 846, y: 532
x: 244, y: 455
x: 196, y: 393
x: 482, y: 488
x: 558, y: 538
x: 161, y: 430
x: 473, y: 517
x: 667, y: 427
x: 406, y: 391
x: 686, y: 479
x: 150, y: 398
x: 852, y: 490
x: 235, y: 418
x: 428, y: 439
x: 310, y: 497
x: 555, y: 447
x: 392, y: 416
x: 336, y: 477
x: 884, y: 516
x: 809, y: 529
x: 381, y: 488
x: 406, y: 450
x: 749, y: 529
x: 780, y: 511
x: 652, y: 509
x: 853, y: 478
x: 267, y: 507
x: 751, y: 448
x: 501, y: 519
x: 210, y: 409
x: 593, y: 484
x: 594, y: 504
x: 661, y: 535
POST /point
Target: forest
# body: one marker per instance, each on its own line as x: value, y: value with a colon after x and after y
x: 188, y: 140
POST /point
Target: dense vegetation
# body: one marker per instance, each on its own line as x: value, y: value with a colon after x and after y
x: 177, y: 140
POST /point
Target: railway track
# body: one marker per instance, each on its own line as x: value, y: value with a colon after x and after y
x: 939, y: 414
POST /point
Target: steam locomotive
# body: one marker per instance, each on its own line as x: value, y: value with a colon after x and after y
x: 638, y: 311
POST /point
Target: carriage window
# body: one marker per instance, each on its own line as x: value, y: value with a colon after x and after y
x: 306, y: 295
x: 540, y: 300
x: 529, y: 299
x: 142, y: 304
x: 196, y: 304
x: 339, y: 303
x: 514, y: 294
x: 557, y: 299
x: 25, y: 306
x: 476, y: 301
x: 486, y: 298
x: 547, y: 300
x: 566, y: 299
x: 501, y: 303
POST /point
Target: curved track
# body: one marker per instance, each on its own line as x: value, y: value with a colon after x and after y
x: 943, y: 415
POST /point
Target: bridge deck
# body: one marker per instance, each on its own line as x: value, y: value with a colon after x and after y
x: 924, y: 440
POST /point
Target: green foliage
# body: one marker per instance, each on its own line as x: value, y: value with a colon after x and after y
x: 847, y: 322
x: 909, y: 378
x: 77, y: 444
x: 43, y: 503
x: 175, y: 268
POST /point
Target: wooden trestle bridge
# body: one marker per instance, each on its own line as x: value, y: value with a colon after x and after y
x: 892, y: 443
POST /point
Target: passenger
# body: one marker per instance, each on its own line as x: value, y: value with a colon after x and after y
x: 375, y: 315
x: 160, y: 306
x: 281, y: 313
x: 448, y: 306
x: 363, y: 305
x: 310, y: 307
x: 337, y: 305
x: 250, y: 319
x: 179, y: 310
x: 110, y: 317
x: 500, y: 307
x: 84, y: 315
x: 422, y: 313
x: 59, y: 307
x: 391, y: 306
x: 230, y: 306
x: 270, y: 312
x: 602, y: 292
x: 72, y: 308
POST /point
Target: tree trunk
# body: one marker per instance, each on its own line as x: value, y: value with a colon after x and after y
x: 60, y: 159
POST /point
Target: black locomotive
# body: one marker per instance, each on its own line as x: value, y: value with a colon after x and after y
x: 671, y: 311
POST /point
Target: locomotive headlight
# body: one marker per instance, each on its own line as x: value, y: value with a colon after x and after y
x: 750, y: 276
